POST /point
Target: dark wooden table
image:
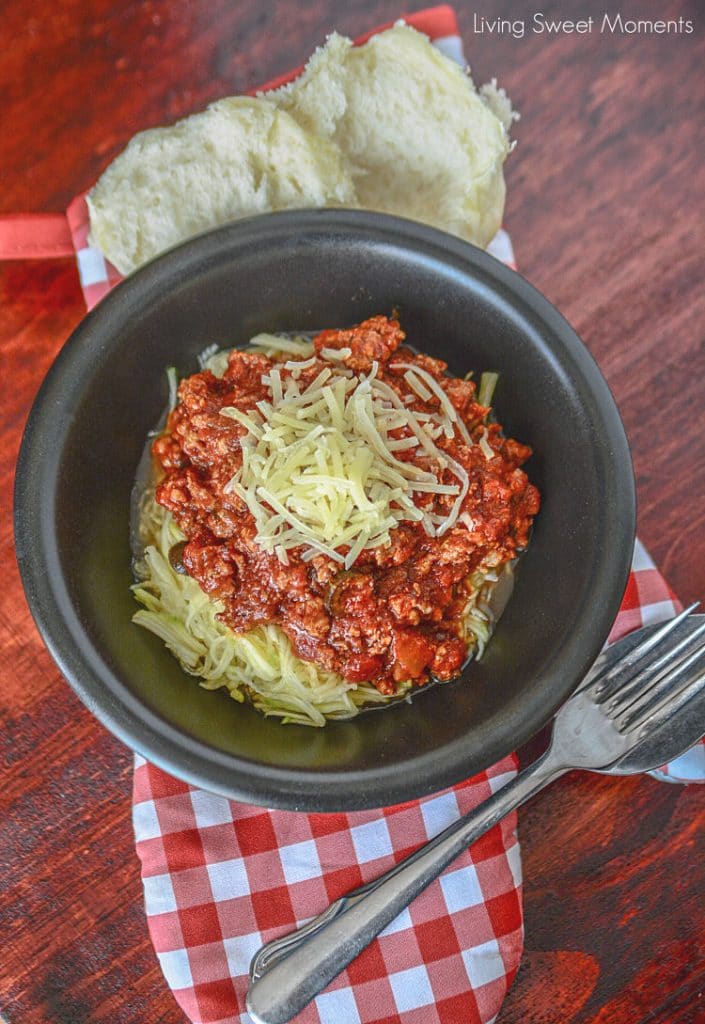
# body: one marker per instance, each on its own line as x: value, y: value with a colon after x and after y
x: 605, y: 205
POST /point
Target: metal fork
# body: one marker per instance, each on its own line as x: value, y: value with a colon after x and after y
x: 620, y: 715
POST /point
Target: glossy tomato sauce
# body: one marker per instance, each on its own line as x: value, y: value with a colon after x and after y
x: 396, y: 615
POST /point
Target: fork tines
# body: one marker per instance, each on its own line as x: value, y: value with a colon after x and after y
x: 656, y: 678
x: 633, y: 664
x: 666, y: 693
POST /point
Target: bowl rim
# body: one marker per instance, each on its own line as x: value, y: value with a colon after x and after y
x: 71, y: 648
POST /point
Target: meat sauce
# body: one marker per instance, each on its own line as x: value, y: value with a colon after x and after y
x: 397, y: 614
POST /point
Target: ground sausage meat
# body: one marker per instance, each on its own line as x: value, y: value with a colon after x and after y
x: 396, y: 615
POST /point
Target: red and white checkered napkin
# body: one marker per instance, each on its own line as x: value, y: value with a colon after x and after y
x: 221, y: 878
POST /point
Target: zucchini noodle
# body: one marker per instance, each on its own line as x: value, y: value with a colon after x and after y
x: 259, y: 665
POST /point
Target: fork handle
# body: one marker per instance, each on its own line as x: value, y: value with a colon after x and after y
x: 293, y: 980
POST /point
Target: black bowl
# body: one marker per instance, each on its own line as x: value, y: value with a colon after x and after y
x: 305, y: 270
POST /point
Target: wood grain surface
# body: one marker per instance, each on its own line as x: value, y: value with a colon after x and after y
x: 605, y: 206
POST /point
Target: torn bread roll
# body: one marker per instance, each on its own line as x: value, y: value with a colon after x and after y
x: 416, y: 136
x: 241, y: 156
x: 392, y: 125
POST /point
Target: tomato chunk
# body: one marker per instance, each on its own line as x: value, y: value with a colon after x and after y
x: 413, y: 653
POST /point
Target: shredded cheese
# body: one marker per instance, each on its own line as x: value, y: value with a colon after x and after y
x: 336, y: 354
x: 320, y: 467
x: 452, y: 418
x: 272, y: 344
x: 485, y: 445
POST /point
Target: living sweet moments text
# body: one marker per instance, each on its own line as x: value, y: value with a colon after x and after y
x: 612, y: 23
